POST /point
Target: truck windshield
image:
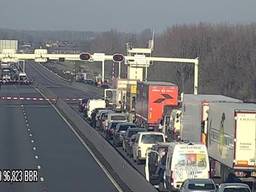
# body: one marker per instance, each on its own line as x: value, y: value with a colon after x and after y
x: 150, y: 139
x: 23, y: 77
x: 6, y: 72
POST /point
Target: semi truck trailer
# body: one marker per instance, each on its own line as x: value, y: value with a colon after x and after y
x: 194, y: 115
x: 232, y: 138
x: 152, y: 100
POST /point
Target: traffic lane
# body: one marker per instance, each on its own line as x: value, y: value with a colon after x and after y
x: 16, y: 148
x: 66, y: 164
x: 67, y: 89
x: 57, y: 85
x: 39, y: 77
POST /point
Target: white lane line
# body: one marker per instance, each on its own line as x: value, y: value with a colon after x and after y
x: 28, y: 126
x: 38, y: 167
x: 86, y: 146
x: 34, y: 148
x: 32, y: 141
x: 41, y: 179
x: 36, y: 157
x: 30, y: 135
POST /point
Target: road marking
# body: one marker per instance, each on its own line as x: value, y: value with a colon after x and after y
x: 28, y: 126
x: 34, y: 148
x: 86, y: 146
x: 30, y: 135
x: 32, y: 141
x: 41, y: 179
x: 36, y: 157
x: 38, y: 167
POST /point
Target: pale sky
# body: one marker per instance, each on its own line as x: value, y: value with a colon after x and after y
x: 122, y: 15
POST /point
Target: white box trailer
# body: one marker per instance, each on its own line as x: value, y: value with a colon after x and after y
x: 117, y: 96
x: 8, y: 44
x: 194, y: 115
x: 232, y: 137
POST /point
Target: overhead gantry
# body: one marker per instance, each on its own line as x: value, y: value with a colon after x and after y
x: 132, y: 61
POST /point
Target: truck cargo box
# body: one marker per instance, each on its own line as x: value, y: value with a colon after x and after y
x: 194, y: 112
x: 152, y: 98
x: 232, y: 134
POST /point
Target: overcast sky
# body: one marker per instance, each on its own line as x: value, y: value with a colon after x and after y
x: 122, y: 15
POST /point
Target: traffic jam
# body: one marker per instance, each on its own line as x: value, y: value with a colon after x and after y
x: 12, y: 73
x: 185, y: 142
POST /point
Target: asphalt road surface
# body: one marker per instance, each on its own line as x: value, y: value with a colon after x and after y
x: 34, y: 137
x: 63, y: 89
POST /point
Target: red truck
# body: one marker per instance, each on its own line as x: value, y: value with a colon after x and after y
x: 151, y: 101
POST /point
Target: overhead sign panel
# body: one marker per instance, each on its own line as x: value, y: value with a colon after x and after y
x: 41, y: 55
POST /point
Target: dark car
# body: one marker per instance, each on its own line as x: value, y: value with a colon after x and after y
x: 89, y: 81
x: 82, y: 105
x: 93, y: 116
x: 104, y: 86
x: 110, y: 130
x: 120, y: 131
x: 195, y: 185
x: 127, y: 141
x: 101, y: 117
x: 155, y: 163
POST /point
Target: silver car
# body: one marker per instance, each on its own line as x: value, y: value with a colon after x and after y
x: 195, y: 185
x: 234, y: 187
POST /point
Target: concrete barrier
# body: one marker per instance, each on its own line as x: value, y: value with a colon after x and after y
x: 124, y: 174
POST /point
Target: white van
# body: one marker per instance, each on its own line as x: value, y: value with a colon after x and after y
x: 185, y: 161
x: 117, y: 117
x: 94, y: 104
x: 144, y: 141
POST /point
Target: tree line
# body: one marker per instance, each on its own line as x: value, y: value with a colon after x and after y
x: 227, y: 54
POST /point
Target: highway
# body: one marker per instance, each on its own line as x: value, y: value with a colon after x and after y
x: 34, y: 136
x: 63, y: 89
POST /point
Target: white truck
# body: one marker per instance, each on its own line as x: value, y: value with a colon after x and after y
x: 194, y: 114
x: 6, y: 74
x: 117, y: 96
x: 80, y: 77
x: 232, y: 138
x: 94, y: 104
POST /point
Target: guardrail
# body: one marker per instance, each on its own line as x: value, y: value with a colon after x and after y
x: 125, y: 175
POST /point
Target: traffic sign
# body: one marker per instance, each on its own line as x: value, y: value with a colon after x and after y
x: 85, y: 56
x: 118, y: 57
